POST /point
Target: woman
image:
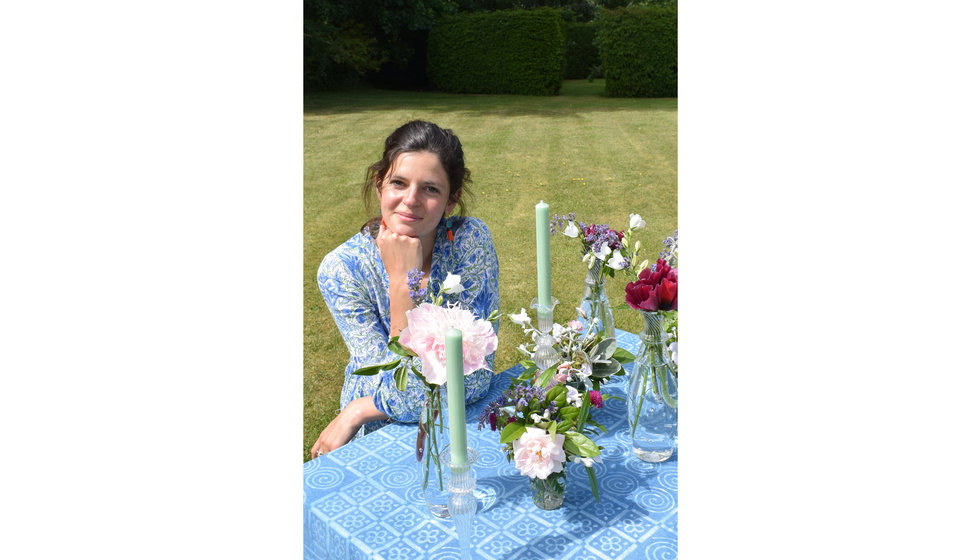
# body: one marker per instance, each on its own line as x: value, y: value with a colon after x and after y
x: 419, y: 181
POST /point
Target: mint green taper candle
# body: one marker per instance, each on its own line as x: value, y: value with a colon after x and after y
x: 455, y: 394
x: 544, y: 254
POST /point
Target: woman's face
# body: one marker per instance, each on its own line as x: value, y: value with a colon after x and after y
x: 415, y: 194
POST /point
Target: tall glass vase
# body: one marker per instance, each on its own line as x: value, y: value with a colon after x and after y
x: 652, y: 395
x: 432, y: 440
x: 595, y: 302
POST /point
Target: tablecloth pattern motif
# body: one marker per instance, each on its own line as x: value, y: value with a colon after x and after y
x: 363, y: 501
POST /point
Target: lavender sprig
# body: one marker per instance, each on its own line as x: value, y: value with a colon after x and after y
x: 415, y: 289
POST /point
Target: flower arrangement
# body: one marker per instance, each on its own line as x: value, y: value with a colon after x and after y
x: 542, y: 430
x: 615, y: 250
x: 653, y: 384
x: 424, y: 338
x: 586, y: 359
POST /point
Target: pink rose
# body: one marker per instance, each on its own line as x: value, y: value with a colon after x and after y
x: 536, y: 455
x: 426, y: 336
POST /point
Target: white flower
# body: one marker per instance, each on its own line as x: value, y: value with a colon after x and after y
x: 523, y: 349
x: 673, y: 352
x: 573, y: 397
x: 557, y: 330
x: 581, y: 312
x: 537, y: 455
x: 617, y: 261
x: 540, y: 417
x: 571, y: 230
x: 586, y: 461
x: 521, y: 318
x: 636, y: 222
x: 604, y: 251
x: 452, y: 284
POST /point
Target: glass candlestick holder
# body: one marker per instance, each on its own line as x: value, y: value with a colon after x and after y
x: 462, y: 502
x: 545, y: 354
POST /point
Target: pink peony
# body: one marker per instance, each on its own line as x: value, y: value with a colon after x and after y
x: 426, y: 336
x: 536, y: 455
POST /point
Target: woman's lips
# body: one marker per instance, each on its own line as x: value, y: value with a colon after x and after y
x: 408, y: 217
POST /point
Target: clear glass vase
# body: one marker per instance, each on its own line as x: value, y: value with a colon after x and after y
x: 549, y: 493
x: 652, y: 395
x: 432, y: 440
x: 595, y: 302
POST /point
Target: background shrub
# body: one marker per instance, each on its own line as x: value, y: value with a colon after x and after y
x: 509, y: 51
x: 581, y: 51
x: 638, y: 49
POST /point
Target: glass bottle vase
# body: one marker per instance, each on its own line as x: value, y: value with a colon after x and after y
x: 432, y: 440
x: 595, y: 302
x: 549, y: 493
x: 652, y: 395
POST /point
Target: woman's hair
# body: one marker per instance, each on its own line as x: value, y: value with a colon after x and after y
x: 422, y: 136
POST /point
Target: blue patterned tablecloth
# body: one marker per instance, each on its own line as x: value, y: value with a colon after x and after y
x: 363, y: 501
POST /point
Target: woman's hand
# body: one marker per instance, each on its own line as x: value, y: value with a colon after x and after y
x: 399, y: 253
x: 342, y: 428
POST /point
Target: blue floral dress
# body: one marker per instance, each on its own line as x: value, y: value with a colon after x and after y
x: 354, y: 284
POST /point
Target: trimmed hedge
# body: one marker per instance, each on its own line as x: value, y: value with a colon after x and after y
x: 638, y: 49
x: 509, y: 51
x: 581, y: 52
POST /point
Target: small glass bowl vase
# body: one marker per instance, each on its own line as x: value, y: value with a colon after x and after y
x: 549, y: 493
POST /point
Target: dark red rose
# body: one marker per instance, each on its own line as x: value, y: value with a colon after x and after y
x: 654, y: 290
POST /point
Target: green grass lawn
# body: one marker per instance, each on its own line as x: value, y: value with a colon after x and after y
x: 600, y: 157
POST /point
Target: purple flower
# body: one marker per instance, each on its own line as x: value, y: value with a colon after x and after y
x: 415, y: 289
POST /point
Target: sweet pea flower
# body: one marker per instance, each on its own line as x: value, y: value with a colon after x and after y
x: 425, y: 335
x: 617, y: 261
x: 571, y: 230
x: 452, y: 284
x: 521, y: 318
x: 604, y: 251
x: 536, y: 455
x: 636, y: 222
x: 586, y: 461
x: 573, y: 397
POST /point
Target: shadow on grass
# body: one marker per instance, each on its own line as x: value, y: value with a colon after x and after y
x: 578, y: 96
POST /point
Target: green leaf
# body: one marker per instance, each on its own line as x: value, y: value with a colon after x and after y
x: 583, y: 412
x: 401, y: 378
x: 565, y: 425
x: 373, y: 370
x: 580, y: 445
x: 592, y: 482
x: 512, y: 431
x: 397, y: 348
x: 604, y: 350
x: 623, y: 356
x: 546, y: 376
x: 552, y: 429
x: 568, y: 413
x: 552, y: 394
x: 623, y: 305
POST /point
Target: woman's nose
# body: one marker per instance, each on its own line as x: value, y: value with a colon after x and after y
x: 412, y: 195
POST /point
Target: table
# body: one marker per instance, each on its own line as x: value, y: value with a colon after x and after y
x: 363, y: 501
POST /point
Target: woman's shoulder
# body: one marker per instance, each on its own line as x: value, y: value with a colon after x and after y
x: 469, y: 226
x: 350, y: 255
